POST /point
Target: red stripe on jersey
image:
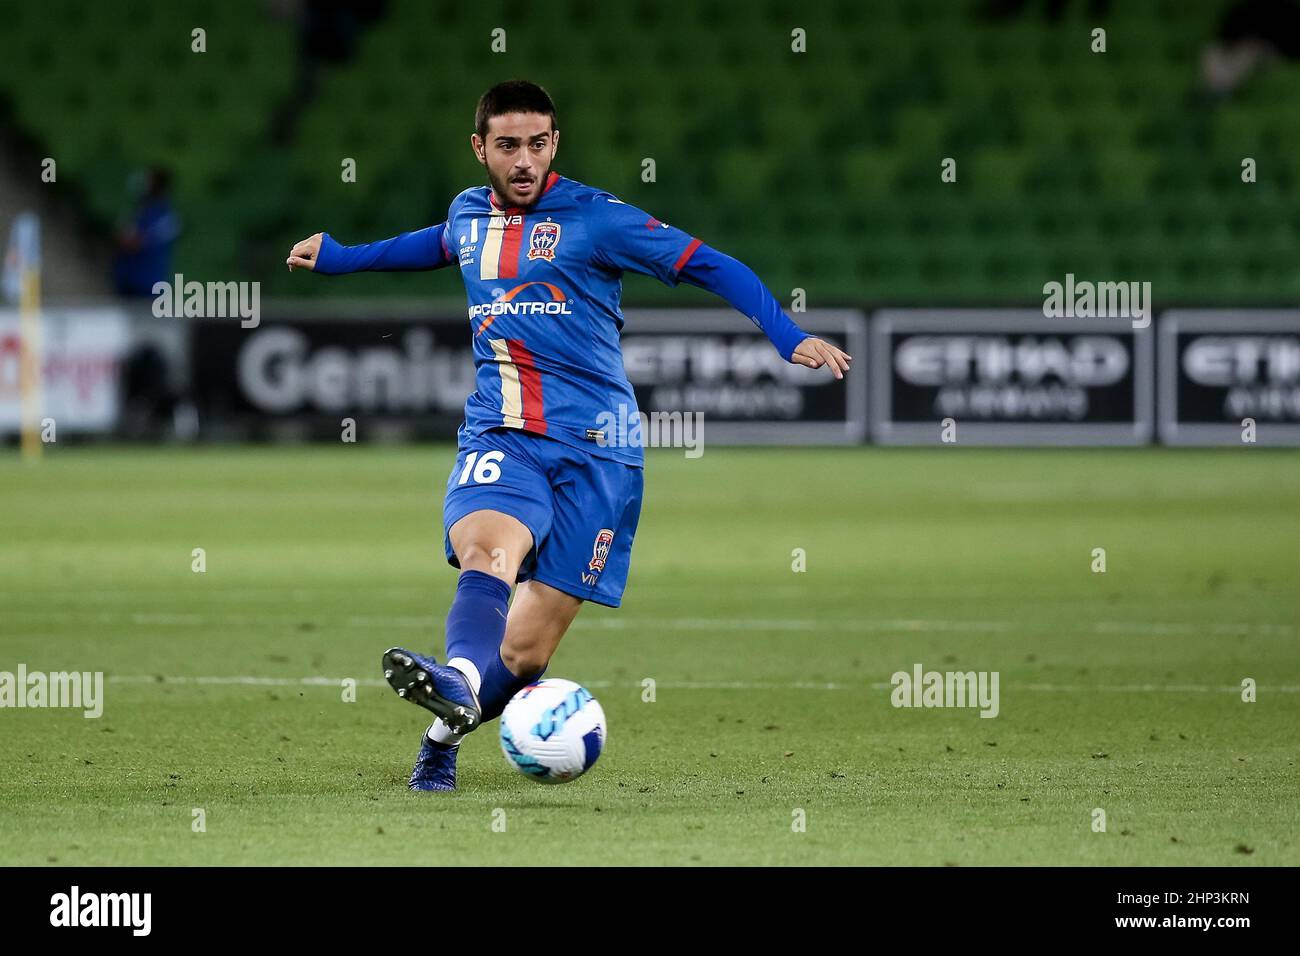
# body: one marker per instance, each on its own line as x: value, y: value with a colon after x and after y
x: 530, y: 385
x: 685, y: 257
x: 508, y: 261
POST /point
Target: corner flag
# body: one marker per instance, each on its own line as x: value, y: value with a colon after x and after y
x: 21, y: 283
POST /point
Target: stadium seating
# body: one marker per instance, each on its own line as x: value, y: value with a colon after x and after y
x: 821, y: 169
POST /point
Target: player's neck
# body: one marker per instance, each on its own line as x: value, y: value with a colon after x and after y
x: 498, y: 200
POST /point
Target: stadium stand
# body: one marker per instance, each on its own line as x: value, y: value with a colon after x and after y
x: 829, y: 186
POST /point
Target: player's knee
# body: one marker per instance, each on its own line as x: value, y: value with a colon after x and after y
x: 524, y: 660
x: 481, y: 556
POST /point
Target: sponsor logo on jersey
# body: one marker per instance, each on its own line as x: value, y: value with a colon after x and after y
x: 600, y: 550
x: 520, y: 308
x: 505, y: 304
x: 543, y: 240
x: 469, y: 244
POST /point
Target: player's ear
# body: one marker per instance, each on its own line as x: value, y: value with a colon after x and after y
x: 476, y: 144
x: 555, y: 142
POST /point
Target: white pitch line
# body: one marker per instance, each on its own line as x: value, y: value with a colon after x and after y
x: 789, y: 624
x: 625, y: 623
x: 161, y: 679
x: 701, y: 685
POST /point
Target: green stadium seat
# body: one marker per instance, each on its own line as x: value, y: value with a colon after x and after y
x: 1067, y: 160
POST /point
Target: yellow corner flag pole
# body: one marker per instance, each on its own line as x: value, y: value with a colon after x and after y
x: 23, y: 269
x: 29, y: 384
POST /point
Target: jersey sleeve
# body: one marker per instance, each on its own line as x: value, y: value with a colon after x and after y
x: 410, y: 252
x: 628, y: 239
x: 734, y: 281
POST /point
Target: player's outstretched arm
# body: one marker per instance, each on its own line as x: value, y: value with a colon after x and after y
x: 737, y: 283
x: 628, y: 238
x: 417, y: 251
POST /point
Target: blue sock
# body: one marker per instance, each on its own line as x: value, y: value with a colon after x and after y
x: 500, y: 683
x: 476, y: 624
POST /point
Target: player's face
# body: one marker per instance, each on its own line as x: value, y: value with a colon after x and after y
x: 517, y: 154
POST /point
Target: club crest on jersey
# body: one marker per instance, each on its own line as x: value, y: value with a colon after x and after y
x: 600, y: 550
x: 543, y: 240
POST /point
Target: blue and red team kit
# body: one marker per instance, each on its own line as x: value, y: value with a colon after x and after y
x: 544, y: 284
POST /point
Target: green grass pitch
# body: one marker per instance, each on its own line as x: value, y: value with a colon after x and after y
x: 1119, y: 690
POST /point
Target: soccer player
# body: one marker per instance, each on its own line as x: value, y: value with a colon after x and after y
x: 541, y: 498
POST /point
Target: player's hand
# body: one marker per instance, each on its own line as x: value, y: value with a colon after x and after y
x: 814, y: 353
x: 303, y: 254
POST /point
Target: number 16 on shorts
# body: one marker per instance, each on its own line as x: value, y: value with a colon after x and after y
x: 484, y: 468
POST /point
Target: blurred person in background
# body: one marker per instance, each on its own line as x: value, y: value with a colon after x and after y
x: 145, y: 240
x: 1252, y: 33
x: 328, y: 34
x: 144, y: 257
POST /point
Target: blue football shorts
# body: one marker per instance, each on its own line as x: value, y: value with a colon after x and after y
x: 582, y: 509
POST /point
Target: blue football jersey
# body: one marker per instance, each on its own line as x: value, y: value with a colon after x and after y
x: 543, y: 285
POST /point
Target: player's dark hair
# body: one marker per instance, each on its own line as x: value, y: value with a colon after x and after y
x: 512, y: 96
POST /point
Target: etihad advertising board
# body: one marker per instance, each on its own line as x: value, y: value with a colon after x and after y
x: 714, y: 363
x: 1009, y: 377
x: 419, y: 371
x: 1230, y: 377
